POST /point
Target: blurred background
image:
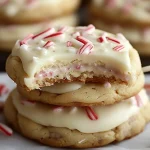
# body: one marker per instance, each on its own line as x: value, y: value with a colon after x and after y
x: 19, y: 18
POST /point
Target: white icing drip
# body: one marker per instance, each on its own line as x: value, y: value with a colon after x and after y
x: 109, y: 116
x: 60, y: 88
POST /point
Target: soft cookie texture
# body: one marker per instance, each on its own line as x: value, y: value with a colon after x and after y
x: 23, y: 13
x: 88, y: 94
x: 73, y: 54
x: 63, y: 137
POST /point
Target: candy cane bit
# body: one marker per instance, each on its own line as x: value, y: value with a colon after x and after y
x: 5, y: 129
x: 90, y: 113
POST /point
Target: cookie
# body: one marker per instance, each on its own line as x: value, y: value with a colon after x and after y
x: 75, y: 93
x: 132, y: 12
x: 19, y: 31
x: 68, y: 54
x: 26, y: 11
x: 139, y: 37
x: 74, y: 138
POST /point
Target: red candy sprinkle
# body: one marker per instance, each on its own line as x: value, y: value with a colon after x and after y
x: 53, y: 35
x: 90, y: 112
x: 3, y: 90
x: 48, y: 44
x: 24, y: 41
x: 69, y: 43
x: 62, y: 29
x: 82, y: 39
x: 138, y: 100
x: 85, y: 47
x: 118, y: 48
x: 114, y: 40
x: 6, y: 130
x: 41, y: 33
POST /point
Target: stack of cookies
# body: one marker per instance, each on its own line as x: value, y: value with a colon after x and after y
x: 130, y: 17
x: 21, y: 17
x: 76, y: 87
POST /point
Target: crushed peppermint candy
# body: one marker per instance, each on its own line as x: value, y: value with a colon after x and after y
x: 90, y: 113
x: 138, y: 100
x: 3, y: 89
x: 5, y: 129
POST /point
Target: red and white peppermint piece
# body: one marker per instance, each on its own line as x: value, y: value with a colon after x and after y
x: 102, y: 38
x: 48, y: 44
x: 89, y: 29
x: 118, y: 48
x: 82, y: 39
x: 3, y: 89
x: 138, y: 100
x: 113, y: 40
x: 85, y: 49
x: 53, y: 35
x: 63, y: 29
x: 90, y: 112
x: 43, y: 32
x: 69, y: 44
x: 5, y: 129
x: 24, y: 41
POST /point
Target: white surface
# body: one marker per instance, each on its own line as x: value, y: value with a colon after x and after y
x: 17, y: 142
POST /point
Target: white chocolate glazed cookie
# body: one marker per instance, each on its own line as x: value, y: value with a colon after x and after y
x: 30, y: 11
x: 74, y: 53
x: 64, y: 137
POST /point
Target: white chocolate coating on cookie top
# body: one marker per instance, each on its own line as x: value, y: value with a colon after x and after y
x: 12, y: 7
x: 85, y: 119
x: 65, y: 45
x: 60, y: 88
x: 137, y: 9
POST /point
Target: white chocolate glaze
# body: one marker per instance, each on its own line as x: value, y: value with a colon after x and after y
x: 112, y: 53
x: 135, y: 9
x: 12, y: 7
x: 20, y: 31
x: 133, y: 34
x: 109, y: 116
x: 60, y: 88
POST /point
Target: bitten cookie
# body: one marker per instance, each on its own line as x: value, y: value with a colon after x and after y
x: 68, y: 54
x: 27, y: 11
x: 19, y: 31
x: 81, y: 127
x: 80, y: 94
